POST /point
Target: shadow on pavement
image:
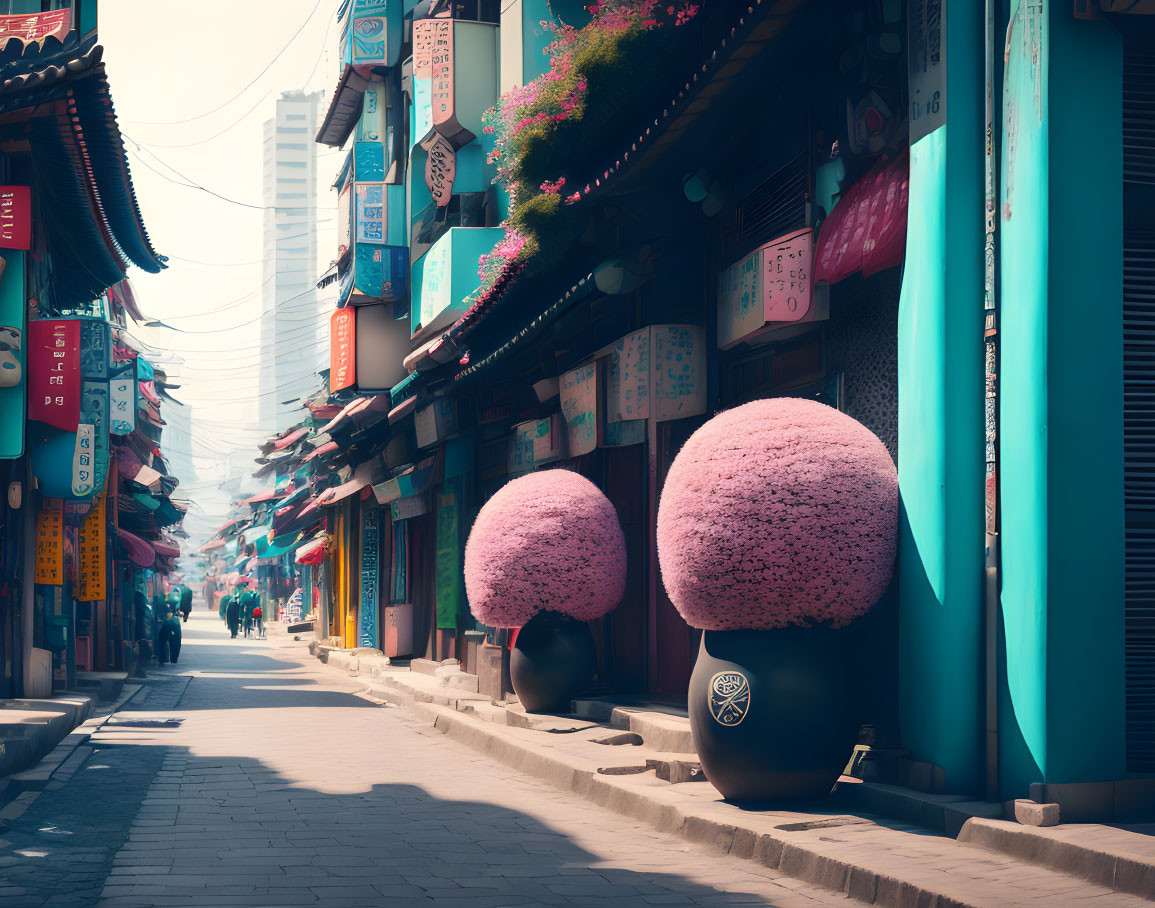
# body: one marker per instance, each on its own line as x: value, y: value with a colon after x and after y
x: 235, y: 832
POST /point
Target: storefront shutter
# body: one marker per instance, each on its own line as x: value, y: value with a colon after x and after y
x: 1139, y: 406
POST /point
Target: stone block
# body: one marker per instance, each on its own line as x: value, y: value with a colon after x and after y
x: 1030, y: 813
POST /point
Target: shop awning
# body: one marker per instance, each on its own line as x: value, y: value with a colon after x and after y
x: 344, y: 110
x: 357, y: 407
x: 139, y: 552
x: 327, y: 448
x: 262, y: 496
x: 403, y: 409
x: 313, y: 551
x: 166, y: 549
x: 417, y: 479
x: 292, y: 438
x: 213, y: 544
x: 866, y: 230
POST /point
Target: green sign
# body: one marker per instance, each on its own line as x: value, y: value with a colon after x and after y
x: 449, y: 568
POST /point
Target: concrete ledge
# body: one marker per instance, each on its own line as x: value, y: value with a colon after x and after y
x: 892, y: 865
x: 106, y: 685
x: 32, y: 730
x: 1106, y: 855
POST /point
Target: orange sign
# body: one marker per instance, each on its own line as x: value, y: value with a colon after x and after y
x: 93, y: 549
x: 342, y: 349
x: 50, y: 543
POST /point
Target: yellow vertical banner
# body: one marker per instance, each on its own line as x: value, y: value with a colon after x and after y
x: 50, y: 543
x: 93, y: 551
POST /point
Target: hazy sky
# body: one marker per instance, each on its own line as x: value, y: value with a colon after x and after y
x: 176, y: 62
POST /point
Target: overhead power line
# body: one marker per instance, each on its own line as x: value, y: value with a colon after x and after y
x: 247, y: 85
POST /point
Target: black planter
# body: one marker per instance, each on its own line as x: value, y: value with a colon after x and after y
x: 773, y: 712
x: 553, y: 660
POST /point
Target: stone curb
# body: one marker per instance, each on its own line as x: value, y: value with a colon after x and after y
x: 868, y: 862
x: 1132, y: 874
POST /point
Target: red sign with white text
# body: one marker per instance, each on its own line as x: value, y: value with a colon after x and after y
x: 54, y: 372
x: 342, y: 349
x: 35, y: 26
x: 15, y: 217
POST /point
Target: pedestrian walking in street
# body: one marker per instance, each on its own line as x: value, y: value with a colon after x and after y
x: 172, y: 628
x: 250, y: 599
x: 258, y: 626
x: 232, y: 614
x: 186, y: 598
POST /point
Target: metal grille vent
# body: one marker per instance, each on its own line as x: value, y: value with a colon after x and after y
x: 1139, y: 118
x: 1139, y: 494
x: 778, y: 205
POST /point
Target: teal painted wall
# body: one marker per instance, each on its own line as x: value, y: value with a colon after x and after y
x: 940, y: 435
x: 1061, y: 698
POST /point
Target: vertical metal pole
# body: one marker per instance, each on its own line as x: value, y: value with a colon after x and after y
x: 991, y: 354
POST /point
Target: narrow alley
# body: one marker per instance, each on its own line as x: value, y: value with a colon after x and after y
x: 251, y: 775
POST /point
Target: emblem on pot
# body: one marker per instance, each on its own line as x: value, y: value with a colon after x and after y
x: 729, y: 698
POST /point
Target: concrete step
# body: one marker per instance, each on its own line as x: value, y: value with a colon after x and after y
x: 1118, y: 858
x: 106, y: 685
x: 942, y: 813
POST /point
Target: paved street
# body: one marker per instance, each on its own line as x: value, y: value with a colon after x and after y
x: 250, y: 775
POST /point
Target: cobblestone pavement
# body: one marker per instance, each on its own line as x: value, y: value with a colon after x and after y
x: 247, y: 775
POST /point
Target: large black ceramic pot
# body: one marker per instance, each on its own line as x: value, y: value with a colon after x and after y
x: 772, y: 712
x: 553, y: 660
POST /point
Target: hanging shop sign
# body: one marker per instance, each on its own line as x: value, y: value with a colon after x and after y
x: 678, y: 379
x: 54, y: 372
x: 440, y: 168
x: 342, y: 349
x: 436, y: 423
x: 93, y: 544
x: 407, y: 508
x: 13, y: 313
x: 15, y: 217
x: 442, y: 50
x: 50, y: 542
x: 36, y: 27
x: 371, y: 34
x: 84, y: 461
x: 344, y: 220
x: 866, y: 229
x: 381, y: 343
x: 122, y: 406
x: 95, y: 348
x: 370, y: 577
x: 771, y: 286
x: 657, y: 373
x: 926, y: 66
x: 448, y: 577
x: 521, y: 448
x: 579, y: 406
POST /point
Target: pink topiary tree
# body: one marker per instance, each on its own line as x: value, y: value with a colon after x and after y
x: 779, y: 512
x: 548, y: 541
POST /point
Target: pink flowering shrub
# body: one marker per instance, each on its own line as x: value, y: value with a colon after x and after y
x: 779, y: 512
x: 548, y: 541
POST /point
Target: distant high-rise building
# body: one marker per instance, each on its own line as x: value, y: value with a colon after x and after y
x: 294, y: 334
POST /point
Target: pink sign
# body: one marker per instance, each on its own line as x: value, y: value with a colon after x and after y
x: 772, y: 285
x: 54, y: 372
x: 442, y: 75
x: 786, y: 270
x: 15, y: 217
x: 35, y: 27
x: 866, y: 230
x: 425, y: 32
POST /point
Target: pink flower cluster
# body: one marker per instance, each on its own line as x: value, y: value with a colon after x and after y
x: 493, y: 263
x: 548, y: 541
x: 559, y: 94
x: 779, y: 512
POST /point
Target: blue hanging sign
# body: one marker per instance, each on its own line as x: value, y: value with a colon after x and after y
x: 370, y: 578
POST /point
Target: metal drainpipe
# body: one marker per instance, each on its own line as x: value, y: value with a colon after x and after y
x: 991, y: 353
